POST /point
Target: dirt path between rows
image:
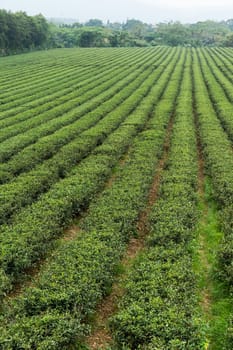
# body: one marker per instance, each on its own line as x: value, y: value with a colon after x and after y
x: 101, y: 337
x: 71, y: 233
x: 206, y: 292
x: 206, y: 295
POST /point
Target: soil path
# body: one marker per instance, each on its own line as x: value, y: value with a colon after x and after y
x: 101, y: 337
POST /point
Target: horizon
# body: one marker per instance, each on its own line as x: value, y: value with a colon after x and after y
x: 74, y: 20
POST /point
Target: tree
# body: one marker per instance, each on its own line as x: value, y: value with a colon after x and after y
x: 135, y: 27
x: 39, y: 30
x: 90, y: 38
x: 229, y: 24
x: 208, y: 33
x: 3, y: 30
x: 229, y: 40
x: 94, y: 23
x: 172, y: 33
x: 18, y: 31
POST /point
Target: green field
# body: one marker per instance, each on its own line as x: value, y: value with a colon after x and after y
x: 116, y: 199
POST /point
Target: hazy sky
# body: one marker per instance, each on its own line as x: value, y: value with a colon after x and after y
x: 151, y: 11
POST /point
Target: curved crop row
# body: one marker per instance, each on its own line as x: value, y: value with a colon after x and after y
x: 48, y: 79
x: 226, y: 53
x: 89, y: 97
x: 223, y: 79
x: 159, y: 309
x: 219, y: 159
x: 218, y: 154
x: 218, y: 97
x: 62, y: 156
x: 35, y: 108
x: 22, y: 73
x: 46, y: 94
x: 223, y: 64
x: 64, y: 114
x: 52, y: 60
x: 47, y: 64
x: 106, y: 99
x: 41, y: 89
x: 27, y: 187
x: 87, y: 263
x: 67, y: 90
x: 22, y: 228
x: 221, y: 74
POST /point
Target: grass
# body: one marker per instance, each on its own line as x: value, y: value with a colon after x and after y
x: 215, y: 300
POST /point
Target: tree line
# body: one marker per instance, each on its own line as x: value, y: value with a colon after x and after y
x: 136, y: 33
x: 20, y: 32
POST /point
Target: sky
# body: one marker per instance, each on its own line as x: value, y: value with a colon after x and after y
x: 150, y: 11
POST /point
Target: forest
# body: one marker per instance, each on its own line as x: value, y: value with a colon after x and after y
x: 20, y: 32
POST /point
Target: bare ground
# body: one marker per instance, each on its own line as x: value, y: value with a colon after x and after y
x: 101, y: 337
x: 31, y: 274
x: 206, y: 295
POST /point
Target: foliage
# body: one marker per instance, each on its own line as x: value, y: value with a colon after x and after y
x: 21, y: 32
x: 160, y: 306
x: 68, y: 118
x: 219, y: 161
x: 59, y: 308
x: 137, y: 33
x: 18, y: 32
